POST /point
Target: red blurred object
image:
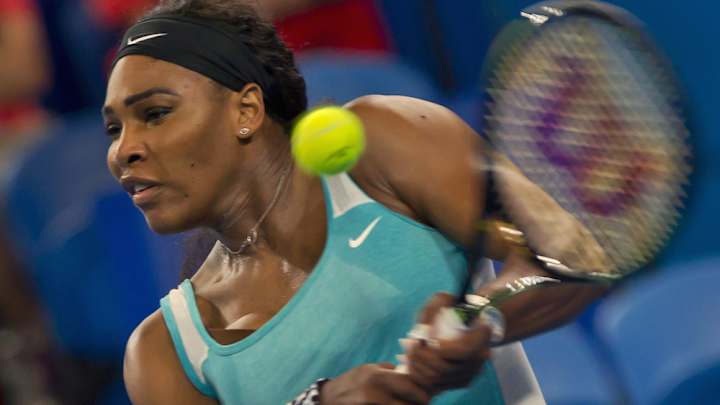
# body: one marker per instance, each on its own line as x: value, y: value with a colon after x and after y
x: 117, y: 14
x: 350, y: 24
x: 8, y: 7
x: 14, y: 112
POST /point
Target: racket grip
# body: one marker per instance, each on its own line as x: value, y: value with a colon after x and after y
x: 452, y: 322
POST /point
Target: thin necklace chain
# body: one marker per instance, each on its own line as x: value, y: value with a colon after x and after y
x: 251, y: 238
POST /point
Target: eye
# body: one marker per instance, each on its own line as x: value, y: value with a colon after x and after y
x: 112, y: 129
x: 154, y: 115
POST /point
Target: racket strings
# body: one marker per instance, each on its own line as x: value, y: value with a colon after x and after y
x: 591, y: 116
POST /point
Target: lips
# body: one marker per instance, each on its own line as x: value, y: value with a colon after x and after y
x: 140, y: 190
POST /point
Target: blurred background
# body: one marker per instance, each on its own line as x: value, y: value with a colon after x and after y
x: 79, y: 269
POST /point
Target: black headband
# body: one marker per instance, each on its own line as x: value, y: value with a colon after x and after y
x: 196, y: 44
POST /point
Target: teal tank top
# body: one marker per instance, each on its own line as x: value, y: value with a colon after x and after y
x: 376, y: 272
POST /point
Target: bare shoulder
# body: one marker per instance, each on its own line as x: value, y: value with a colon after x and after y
x: 402, y: 113
x: 406, y: 134
x: 152, y: 371
x: 148, y: 337
x: 424, y: 156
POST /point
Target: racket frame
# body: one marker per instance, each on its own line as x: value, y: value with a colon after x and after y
x: 534, y: 17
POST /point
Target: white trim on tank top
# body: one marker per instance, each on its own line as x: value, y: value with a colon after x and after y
x: 345, y: 194
x: 195, y: 347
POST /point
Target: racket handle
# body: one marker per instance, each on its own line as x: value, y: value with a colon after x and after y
x: 401, y: 368
x: 452, y: 322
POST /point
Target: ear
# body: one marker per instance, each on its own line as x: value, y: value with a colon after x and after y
x: 249, y: 109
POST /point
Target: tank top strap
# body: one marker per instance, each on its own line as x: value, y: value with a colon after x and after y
x: 191, y: 348
x: 344, y: 194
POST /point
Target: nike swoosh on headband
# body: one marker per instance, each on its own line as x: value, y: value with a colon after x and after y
x: 133, y: 41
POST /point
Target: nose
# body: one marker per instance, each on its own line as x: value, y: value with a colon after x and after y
x: 129, y: 150
x: 133, y: 157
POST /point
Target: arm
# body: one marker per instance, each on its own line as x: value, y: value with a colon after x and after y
x: 153, y: 373
x: 422, y: 156
x: 22, y: 50
x: 419, y: 161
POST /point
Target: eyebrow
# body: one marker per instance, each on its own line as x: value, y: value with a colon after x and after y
x: 130, y: 100
x: 134, y: 98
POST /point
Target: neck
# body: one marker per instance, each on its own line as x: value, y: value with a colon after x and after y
x: 254, y: 201
x: 295, y: 228
x: 279, y: 202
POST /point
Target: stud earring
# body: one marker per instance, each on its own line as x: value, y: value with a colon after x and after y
x: 244, y: 131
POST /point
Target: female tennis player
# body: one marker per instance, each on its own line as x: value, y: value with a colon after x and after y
x: 311, y: 278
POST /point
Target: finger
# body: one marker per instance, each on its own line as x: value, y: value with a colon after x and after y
x: 423, y: 374
x: 437, y: 302
x: 456, y: 381
x: 401, y: 387
x: 427, y: 362
x: 435, y: 374
x: 473, y: 343
x: 408, y: 344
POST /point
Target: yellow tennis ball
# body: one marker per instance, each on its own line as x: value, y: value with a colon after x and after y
x: 328, y: 140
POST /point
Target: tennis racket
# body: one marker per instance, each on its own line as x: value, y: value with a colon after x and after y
x: 588, y: 152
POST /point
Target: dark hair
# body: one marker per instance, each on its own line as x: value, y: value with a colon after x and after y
x: 283, y: 102
x: 287, y: 98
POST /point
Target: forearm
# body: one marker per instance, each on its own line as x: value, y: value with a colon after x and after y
x: 534, y: 311
x: 25, y: 65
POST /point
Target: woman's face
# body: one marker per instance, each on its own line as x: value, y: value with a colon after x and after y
x: 173, y: 144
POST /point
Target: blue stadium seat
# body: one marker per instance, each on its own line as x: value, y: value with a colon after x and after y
x: 340, y: 77
x: 448, y: 40
x: 467, y: 105
x: 569, y: 369
x: 663, y: 333
x: 87, y: 248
